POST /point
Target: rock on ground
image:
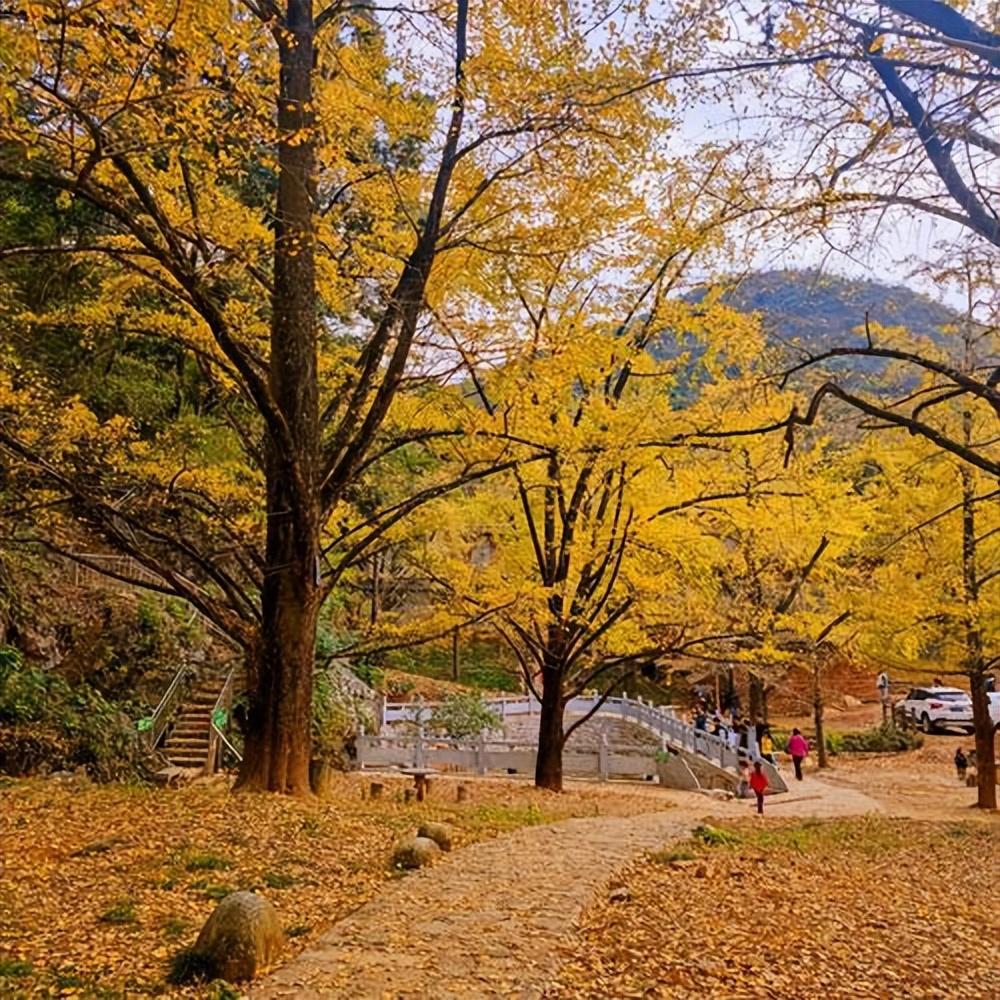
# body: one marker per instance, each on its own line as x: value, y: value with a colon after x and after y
x: 414, y: 852
x: 241, y: 938
x: 440, y: 833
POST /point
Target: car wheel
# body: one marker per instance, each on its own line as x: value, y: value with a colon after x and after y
x: 925, y: 724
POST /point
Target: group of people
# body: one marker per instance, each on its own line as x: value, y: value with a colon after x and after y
x: 752, y: 737
x: 755, y: 739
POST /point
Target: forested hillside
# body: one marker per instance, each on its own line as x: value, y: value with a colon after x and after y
x: 815, y: 310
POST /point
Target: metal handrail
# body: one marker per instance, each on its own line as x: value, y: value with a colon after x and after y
x: 161, y: 715
x: 222, y: 736
x: 223, y: 701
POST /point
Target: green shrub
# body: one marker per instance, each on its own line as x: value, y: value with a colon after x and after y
x: 885, y: 738
x: 338, y: 716
x: 47, y: 722
x: 463, y: 715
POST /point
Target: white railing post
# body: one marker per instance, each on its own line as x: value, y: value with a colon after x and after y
x: 418, y: 750
x: 481, y: 753
x: 602, y: 758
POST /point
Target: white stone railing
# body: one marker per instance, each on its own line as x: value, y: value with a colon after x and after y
x: 659, y: 720
x: 483, y: 755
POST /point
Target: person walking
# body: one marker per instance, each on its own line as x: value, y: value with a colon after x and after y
x: 743, y: 780
x: 798, y: 750
x: 758, y: 782
x: 961, y: 764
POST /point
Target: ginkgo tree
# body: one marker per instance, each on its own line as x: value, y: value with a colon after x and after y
x: 276, y: 191
x: 599, y: 382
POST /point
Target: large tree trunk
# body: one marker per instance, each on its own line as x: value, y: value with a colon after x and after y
x: 986, y: 772
x: 278, y: 740
x: 985, y: 765
x: 548, y: 763
x: 821, y: 757
x: 756, y: 702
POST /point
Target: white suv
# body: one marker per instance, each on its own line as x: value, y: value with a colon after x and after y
x: 932, y: 707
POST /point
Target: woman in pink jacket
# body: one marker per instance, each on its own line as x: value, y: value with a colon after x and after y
x: 798, y: 750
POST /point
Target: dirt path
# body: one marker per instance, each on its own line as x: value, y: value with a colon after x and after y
x: 485, y: 921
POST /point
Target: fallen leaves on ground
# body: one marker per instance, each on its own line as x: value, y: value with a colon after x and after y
x: 860, y: 908
x: 101, y: 885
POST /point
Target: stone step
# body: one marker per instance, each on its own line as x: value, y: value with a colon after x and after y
x: 185, y: 745
x: 191, y: 729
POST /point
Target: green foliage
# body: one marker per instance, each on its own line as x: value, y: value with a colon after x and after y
x: 671, y: 854
x: 213, y: 890
x: 189, y: 966
x: 14, y: 968
x: 23, y: 692
x: 371, y: 674
x: 505, y: 817
x: 326, y: 643
x: 221, y: 990
x: 47, y: 722
x: 338, y: 715
x: 207, y: 863
x: 174, y: 928
x: 481, y: 664
x: 870, y: 835
x: 121, y: 912
x: 714, y: 836
x: 279, y: 880
x: 463, y: 715
x: 885, y: 738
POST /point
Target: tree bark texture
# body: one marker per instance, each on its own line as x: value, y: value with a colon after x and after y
x: 548, y: 763
x: 278, y: 739
x: 985, y: 762
x: 756, y: 702
x: 821, y: 758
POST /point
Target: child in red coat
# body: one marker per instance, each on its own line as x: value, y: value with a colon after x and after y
x: 758, y: 782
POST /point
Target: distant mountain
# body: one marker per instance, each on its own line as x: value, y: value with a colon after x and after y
x: 808, y: 312
x: 816, y: 311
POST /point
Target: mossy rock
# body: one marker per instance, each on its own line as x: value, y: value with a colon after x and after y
x: 242, y: 938
x: 414, y: 852
x: 440, y: 833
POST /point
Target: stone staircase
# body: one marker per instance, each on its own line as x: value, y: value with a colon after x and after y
x: 188, y: 742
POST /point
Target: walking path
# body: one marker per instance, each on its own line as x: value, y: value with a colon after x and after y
x: 486, y: 921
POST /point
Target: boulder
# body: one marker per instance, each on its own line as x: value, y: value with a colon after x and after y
x: 414, y: 852
x: 241, y: 938
x: 619, y: 894
x: 440, y: 833
x: 851, y: 702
